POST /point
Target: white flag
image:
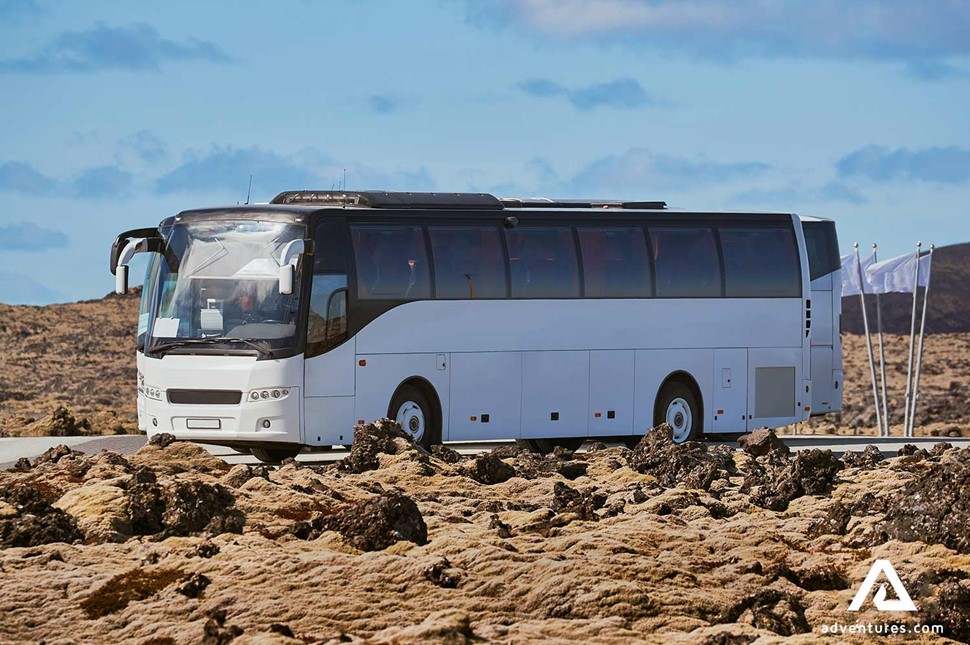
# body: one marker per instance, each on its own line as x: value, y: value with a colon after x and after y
x: 898, y: 275
x: 850, y: 274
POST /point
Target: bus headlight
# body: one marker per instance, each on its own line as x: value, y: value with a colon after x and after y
x: 152, y: 393
x: 269, y: 394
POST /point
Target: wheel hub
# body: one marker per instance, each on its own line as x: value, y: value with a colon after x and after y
x: 411, y: 418
x: 680, y: 419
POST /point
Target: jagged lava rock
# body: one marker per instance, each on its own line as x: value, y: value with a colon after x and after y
x: 691, y: 464
x: 761, y: 442
x: 379, y: 522
x: 773, y: 481
x: 35, y: 521
x: 934, y: 506
x: 383, y: 436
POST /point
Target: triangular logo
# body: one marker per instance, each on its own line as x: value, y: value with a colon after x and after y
x: 885, y: 567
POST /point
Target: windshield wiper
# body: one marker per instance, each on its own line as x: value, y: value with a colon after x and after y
x: 262, y: 348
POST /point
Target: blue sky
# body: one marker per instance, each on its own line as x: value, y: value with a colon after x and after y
x: 118, y: 114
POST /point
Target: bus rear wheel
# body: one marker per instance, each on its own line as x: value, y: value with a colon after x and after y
x: 413, y: 411
x: 274, y: 455
x: 678, y: 407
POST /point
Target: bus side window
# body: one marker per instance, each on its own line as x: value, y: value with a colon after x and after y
x: 468, y: 262
x: 615, y: 263
x: 686, y: 262
x: 823, y: 248
x: 760, y: 263
x: 544, y: 263
x: 392, y: 262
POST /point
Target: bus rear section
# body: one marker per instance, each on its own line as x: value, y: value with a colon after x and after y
x: 822, y: 246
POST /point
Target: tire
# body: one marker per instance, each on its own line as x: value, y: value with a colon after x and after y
x: 546, y: 446
x: 679, y: 407
x: 411, y: 408
x: 276, y: 454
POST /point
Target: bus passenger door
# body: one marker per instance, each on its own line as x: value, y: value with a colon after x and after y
x: 730, y: 397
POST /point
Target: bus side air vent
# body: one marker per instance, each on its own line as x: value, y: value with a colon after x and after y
x: 386, y: 199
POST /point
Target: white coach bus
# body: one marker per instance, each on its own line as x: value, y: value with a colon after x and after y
x: 271, y: 328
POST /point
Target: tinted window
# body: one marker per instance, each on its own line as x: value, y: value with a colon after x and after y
x: 686, y: 262
x: 327, y: 325
x: 468, y: 262
x: 760, y: 263
x: 392, y: 263
x: 823, y: 248
x: 543, y: 262
x: 615, y: 263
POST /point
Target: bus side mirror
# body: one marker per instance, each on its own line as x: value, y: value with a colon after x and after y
x: 137, y: 245
x: 286, y: 279
x: 121, y: 279
x: 288, y: 259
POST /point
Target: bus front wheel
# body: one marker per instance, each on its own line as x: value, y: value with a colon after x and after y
x: 679, y: 408
x: 412, y: 410
x: 274, y: 455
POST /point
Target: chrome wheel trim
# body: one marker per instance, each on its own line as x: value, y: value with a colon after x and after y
x: 679, y: 418
x: 411, y: 418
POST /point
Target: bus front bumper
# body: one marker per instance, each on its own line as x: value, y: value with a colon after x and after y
x: 249, y: 422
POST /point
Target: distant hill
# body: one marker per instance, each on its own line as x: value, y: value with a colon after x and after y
x: 949, y: 301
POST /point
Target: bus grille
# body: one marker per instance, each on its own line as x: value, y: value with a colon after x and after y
x: 205, y: 397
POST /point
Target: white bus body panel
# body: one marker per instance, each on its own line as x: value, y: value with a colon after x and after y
x: 729, y: 401
x: 329, y: 390
x: 220, y: 423
x: 611, y: 389
x: 381, y: 375
x: 826, y: 345
x: 486, y: 387
x: 140, y: 387
x: 654, y: 366
x: 483, y: 339
x: 555, y: 394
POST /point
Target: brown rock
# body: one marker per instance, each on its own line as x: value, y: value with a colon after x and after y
x: 761, y: 442
x: 933, y: 507
x: 488, y: 469
x: 690, y: 464
x: 36, y: 521
x: 376, y: 523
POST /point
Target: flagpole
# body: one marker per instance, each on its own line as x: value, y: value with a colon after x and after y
x: 912, y: 333
x: 865, y: 324
x: 919, y: 351
x: 882, y: 358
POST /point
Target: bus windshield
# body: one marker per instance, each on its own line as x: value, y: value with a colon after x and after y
x: 218, y: 286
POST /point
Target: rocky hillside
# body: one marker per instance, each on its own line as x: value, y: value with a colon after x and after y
x: 661, y: 544
x: 80, y: 356
x: 948, y: 310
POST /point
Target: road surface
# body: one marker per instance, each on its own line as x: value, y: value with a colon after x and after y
x: 11, y: 449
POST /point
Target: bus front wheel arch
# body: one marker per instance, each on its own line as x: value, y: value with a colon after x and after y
x: 415, y: 405
x: 679, y: 404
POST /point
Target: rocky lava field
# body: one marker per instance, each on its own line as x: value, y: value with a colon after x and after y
x: 664, y: 543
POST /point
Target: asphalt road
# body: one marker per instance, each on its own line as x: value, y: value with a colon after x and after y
x: 11, y: 449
